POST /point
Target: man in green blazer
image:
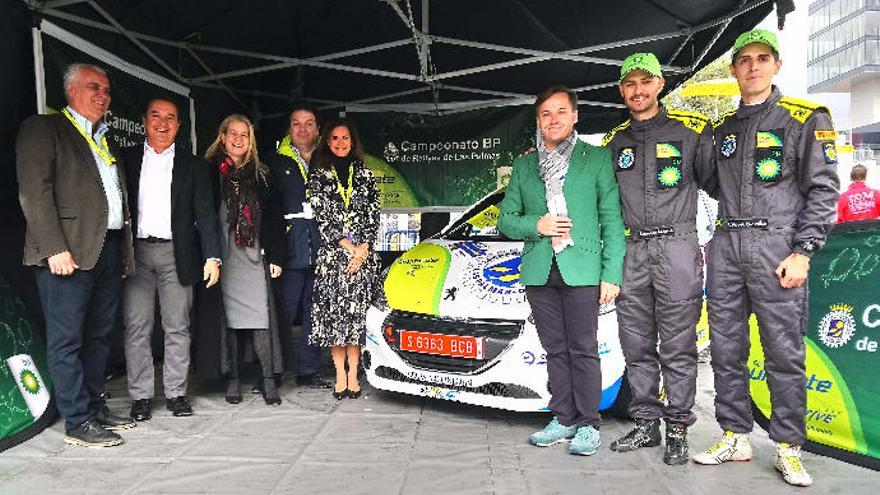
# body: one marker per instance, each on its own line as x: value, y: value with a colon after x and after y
x: 563, y: 202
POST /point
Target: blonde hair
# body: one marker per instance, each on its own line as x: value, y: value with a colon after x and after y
x: 217, y: 148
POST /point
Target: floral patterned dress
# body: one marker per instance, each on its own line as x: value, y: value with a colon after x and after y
x: 340, y: 300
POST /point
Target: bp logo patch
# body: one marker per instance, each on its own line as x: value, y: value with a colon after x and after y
x: 728, y: 146
x: 830, y: 153
x: 669, y: 162
x: 669, y: 176
x: 768, y: 169
x: 626, y: 158
x: 30, y: 382
x: 837, y: 326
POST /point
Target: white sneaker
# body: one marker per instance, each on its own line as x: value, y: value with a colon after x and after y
x: 731, y: 447
x: 788, y: 462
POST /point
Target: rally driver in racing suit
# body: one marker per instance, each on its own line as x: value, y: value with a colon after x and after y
x: 661, y: 157
x: 776, y: 162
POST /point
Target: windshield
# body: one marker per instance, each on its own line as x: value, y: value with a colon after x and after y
x: 480, y: 223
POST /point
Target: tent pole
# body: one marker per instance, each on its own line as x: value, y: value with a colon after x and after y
x: 60, y: 3
x: 207, y: 69
x: 714, y: 40
x: 39, y: 70
x: 633, y: 41
x: 292, y: 62
x: 135, y: 41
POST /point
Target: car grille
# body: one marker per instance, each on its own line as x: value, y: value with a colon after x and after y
x: 496, y: 389
x: 497, y: 335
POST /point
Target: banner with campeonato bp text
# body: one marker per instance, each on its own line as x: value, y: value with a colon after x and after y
x: 452, y: 160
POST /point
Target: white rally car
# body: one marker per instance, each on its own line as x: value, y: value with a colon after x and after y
x: 455, y: 324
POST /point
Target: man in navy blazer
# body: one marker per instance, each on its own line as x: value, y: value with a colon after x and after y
x: 177, y: 243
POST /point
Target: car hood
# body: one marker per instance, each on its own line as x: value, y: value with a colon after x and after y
x: 459, y: 279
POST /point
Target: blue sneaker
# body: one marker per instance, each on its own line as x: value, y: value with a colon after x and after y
x: 585, y: 441
x: 552, y: 434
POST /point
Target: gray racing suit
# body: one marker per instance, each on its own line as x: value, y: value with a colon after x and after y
x: 660, y: 164
x: 776, y: 168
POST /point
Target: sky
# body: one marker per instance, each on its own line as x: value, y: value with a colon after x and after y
x: 792, y: 79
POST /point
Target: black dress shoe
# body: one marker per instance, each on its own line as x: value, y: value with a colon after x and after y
x: 352, y: 394
x: 340, y: 395
x: 312, y: 380
x: 179, y: 406
x: 141, y: 409
x: 92, y: 434
x: 113, y: 422
x: 257, y: 389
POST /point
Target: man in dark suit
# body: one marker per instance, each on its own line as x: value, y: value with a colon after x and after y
x: 290, y: 169
x: 72, y: 194
x: 174, y: 217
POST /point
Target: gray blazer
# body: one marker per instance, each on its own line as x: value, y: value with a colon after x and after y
x: 61, y: 194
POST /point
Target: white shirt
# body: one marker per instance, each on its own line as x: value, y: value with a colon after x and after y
x: 107, y: 171
x: 154, y: 194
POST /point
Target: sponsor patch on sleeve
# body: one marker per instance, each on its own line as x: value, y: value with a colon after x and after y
x: 826, y: 135
x: 830, y: 153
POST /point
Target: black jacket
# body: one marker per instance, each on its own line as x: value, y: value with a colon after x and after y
x: 194, y: 229
x: 301, y: 235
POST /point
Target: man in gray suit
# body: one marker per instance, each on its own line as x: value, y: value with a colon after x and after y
x: 72, y: 194
x: 174, y: 216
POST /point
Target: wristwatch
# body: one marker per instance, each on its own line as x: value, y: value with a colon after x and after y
x: 806, y: 248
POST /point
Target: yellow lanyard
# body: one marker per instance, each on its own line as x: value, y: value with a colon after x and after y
x: 346, y: 195
x: 103, y: 153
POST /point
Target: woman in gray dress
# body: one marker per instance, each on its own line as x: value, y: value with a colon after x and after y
x: 346, y: 207
x: 251, y: 250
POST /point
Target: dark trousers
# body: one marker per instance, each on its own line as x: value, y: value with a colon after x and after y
x: 567, y: 319
x: 81, y: 311
x: 296, y: 291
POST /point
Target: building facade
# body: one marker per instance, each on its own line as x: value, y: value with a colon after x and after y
x: 844, y: 57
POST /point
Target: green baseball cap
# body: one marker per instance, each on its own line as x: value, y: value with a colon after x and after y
x: 756, y: 36
x: 641, y: 61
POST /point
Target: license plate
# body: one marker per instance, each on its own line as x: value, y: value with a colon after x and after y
x: 444, y: 345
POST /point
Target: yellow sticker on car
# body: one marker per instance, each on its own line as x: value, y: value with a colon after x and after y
x: 415, y: 281
x: 486, y: 218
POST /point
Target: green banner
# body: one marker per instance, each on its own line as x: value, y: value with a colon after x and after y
x: 452, y: 160
x: 25, y: 386
x: 843, y: 348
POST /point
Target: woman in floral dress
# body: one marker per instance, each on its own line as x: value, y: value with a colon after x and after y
x: 346, y: 207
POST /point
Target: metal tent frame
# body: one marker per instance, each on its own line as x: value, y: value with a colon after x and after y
x: 425, y: 75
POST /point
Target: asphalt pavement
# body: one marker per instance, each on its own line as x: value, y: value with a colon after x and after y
x: 383, y: 443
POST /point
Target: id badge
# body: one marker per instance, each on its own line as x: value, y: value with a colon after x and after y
x: 307, y: 211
